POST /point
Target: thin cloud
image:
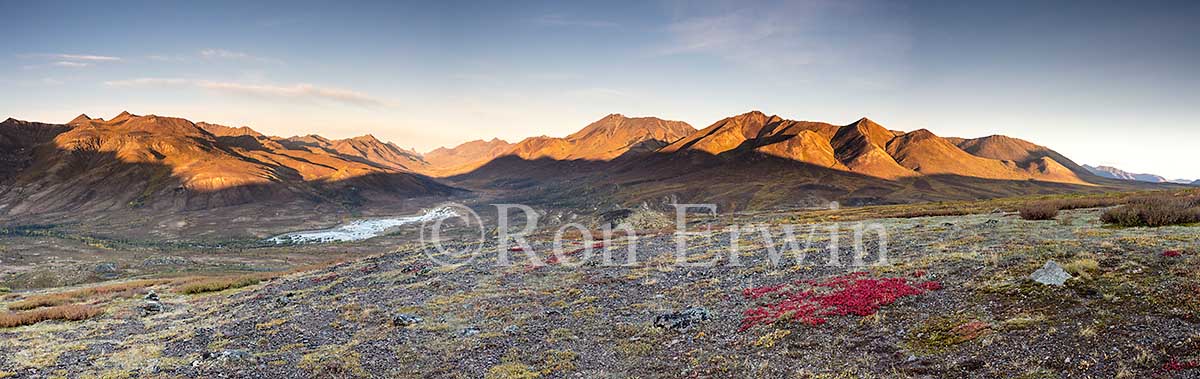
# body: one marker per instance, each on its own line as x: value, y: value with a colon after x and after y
x: 66, y: 60
x: 71, y: 64
x: 92, y: 58
x: 788, y: 40
x: 236, y: 55
x: 744, y: 36
x: 146, y: 82
x: 293, y: 91
x: 560, y: 20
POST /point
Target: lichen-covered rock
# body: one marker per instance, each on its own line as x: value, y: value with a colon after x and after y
x: 1051, y: 274
x: 682, y: 320
x: 404, y: 320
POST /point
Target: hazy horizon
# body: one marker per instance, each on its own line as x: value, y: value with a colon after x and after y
x: 1104, y: 84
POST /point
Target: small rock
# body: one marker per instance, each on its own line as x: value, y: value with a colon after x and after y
x: 107, y: 270
x: 682, y: 320
x: 991, y: 222
x: 284, y: 300
x: 151, y: 296
x: 151, y: 307
x: 1051, y: 274
x: 470, y: 331
x: 972, y: 365
x: 405, y: 320
x: 511, y: 329
x: 229, y: 356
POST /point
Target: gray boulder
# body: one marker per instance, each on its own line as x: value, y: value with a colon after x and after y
x: 405, y: 320
x: 1051, y: 274
x: 682, y: 320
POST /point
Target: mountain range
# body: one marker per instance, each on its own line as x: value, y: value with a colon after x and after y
x: 747, y: 161
x: 756, y: 161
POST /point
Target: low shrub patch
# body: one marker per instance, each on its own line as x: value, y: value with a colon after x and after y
x: 193, y: 285
x: 126, y: 289
x: 74, y: 312
x: 220, y: 283
x: 1154, y: 211
x: 1039, y: 211
x: 1087, y: 202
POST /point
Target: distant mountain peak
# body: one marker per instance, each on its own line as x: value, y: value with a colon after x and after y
x: 629, y: 129
x: 919, y: 135
x: 125, y: 115
x: 867, y: 130
x: 81, y: 118
x: 866, y: 121
x: 366, y: 138
x: 1116, y: 173
x: 751, y: 116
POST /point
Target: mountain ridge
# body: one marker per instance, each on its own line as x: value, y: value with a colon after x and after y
x: 96, y: 164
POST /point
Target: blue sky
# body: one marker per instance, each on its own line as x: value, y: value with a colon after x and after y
x: 1102, y: 82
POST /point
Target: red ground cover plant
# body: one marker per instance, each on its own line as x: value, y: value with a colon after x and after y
x: 1176, y: 365
x: 809, y: 302
x: 1172, y: 253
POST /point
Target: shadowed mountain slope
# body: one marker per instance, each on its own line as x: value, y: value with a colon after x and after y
x: 862, y: 147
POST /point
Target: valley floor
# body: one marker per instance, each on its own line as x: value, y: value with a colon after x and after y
x: 1132, y: 311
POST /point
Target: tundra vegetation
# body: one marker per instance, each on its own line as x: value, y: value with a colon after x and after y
x: 954, y: 300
